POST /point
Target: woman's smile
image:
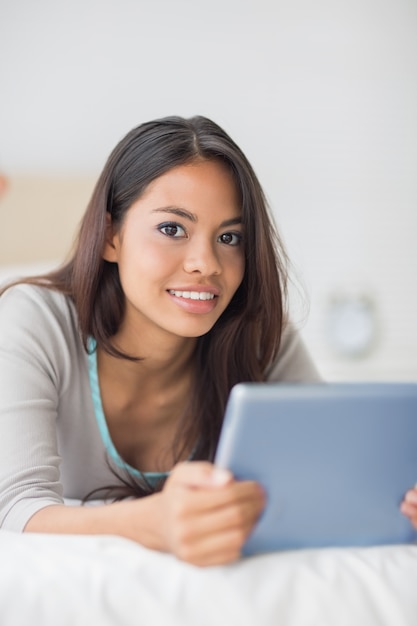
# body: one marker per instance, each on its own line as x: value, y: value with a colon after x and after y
x: 197, y: 301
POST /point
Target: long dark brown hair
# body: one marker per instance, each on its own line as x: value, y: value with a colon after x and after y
x: 246, y: 338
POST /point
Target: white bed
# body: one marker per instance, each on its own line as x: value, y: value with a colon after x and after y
x: 52, y: 580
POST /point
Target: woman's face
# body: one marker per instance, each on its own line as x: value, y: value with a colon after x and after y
x: 180, y: 251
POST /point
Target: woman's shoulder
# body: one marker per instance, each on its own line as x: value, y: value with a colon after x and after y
x: 35, y: 298
x: 38, y: 311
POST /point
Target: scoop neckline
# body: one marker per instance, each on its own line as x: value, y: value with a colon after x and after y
x: 102, y: 423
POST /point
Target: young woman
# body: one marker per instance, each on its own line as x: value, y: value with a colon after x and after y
x: 116, y: 368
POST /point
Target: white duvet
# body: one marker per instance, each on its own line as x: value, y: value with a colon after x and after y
x: 52, y: 580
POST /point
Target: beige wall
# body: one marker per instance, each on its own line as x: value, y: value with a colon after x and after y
x: 40, y: 217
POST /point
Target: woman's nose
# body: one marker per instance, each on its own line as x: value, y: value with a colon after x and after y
x: 202, y: 257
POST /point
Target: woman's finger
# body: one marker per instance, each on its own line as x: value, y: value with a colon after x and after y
x: 411, y: 496
x: 196, y: 531
x: 199, y: 474
x: 213, y: 549
x: 234, y: 513
x: 199, y: 501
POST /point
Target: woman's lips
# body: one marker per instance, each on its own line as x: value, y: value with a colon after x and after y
x: 194, y: 301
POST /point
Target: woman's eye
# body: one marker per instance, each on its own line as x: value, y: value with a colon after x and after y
x: 231, y: 239
x: 172, y: 230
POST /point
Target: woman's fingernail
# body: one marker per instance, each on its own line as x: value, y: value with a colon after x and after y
x: 411, y: 496
x: 220, y: 476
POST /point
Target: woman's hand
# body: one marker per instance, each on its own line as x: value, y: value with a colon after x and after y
x: 409, y: 506
x: 206, y: 514
x: 202, y: 515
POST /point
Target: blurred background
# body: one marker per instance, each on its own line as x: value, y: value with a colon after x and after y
x: 320, y: 94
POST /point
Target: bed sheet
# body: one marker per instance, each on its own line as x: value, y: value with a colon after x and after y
x: 59, y: 580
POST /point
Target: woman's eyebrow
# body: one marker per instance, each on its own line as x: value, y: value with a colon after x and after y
x: 177, y: 211
x: 184, y: 213
x: 231, y: 222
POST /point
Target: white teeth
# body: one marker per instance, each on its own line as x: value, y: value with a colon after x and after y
x: 193, y: 295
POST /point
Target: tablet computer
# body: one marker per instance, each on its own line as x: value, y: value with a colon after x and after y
x: 335, y: 460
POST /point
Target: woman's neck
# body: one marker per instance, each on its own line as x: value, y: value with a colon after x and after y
x: 144, y: 401
x: 160, y: 363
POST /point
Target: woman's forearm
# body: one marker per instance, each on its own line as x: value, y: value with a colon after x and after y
x: 138, y: 520
x: 202, y: 516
